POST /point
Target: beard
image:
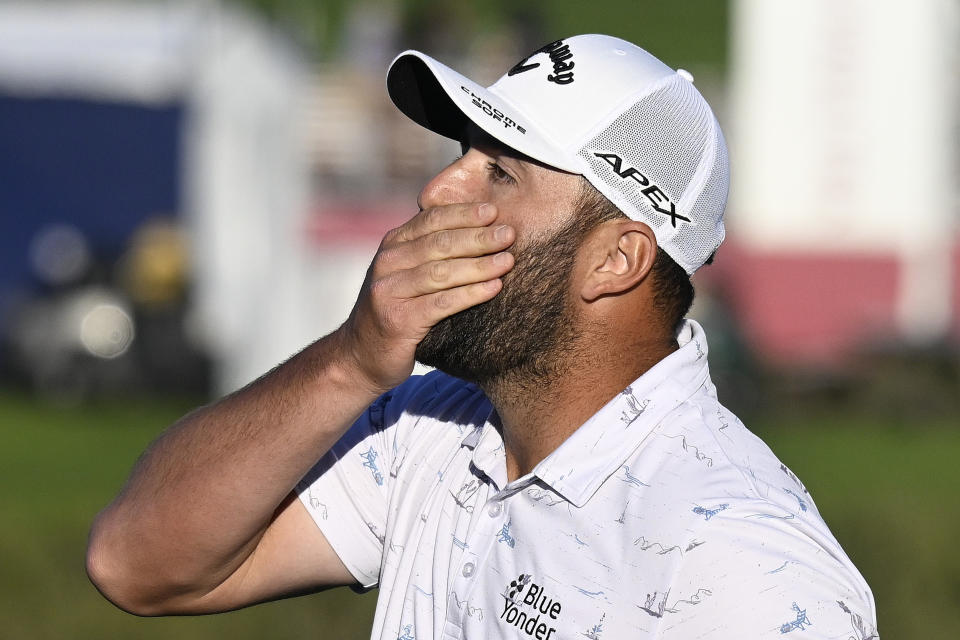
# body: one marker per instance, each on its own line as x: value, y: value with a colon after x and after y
x: 524, y: 331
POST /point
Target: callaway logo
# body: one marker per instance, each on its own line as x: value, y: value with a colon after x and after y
x: 526, y: 614
x: 559, y: 54
x: 660, y: 201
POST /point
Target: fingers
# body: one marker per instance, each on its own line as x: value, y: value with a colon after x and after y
x: 454, y: 216
x: 447, y: 244
x: 440, y: 275
x: 443, y: 233
x: 435, y: 307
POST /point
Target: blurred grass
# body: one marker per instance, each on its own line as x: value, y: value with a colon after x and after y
x: 886, y: 489
x: 58, y: 467
x: 690, y: 34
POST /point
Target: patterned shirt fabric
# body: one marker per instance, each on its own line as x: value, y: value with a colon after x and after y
x: 662, y: 516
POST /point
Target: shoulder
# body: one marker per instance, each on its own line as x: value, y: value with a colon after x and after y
x: 434, y: 404
x: 707, y: 460
x: 705, y: 440
x: 757, y: 544
x: 435, y: 396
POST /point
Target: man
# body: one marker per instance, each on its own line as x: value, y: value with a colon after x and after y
x: 568, y: 471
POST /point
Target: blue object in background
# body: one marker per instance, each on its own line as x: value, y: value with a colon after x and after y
x: 101, y: 167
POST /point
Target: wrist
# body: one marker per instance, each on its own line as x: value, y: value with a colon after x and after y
x: 354, y: 368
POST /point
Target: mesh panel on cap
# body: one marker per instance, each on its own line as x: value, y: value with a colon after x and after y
x: 671, y: 138
x: 713, y: 196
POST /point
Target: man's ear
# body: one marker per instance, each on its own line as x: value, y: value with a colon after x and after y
x: 620, y: 254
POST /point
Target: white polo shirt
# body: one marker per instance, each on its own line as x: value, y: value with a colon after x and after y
x: 660, y: 517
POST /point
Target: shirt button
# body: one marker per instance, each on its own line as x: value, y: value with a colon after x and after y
x: 495, y: 509
x: 468, y: 570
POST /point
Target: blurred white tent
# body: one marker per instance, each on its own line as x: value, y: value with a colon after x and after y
x: 244, y: 167
x: 844, y: 150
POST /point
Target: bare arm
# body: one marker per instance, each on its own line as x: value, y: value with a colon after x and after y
x: 206, y: 521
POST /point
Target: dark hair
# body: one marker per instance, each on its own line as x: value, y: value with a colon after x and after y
x: 672, y: 289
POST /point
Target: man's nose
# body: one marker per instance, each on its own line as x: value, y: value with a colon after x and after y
x: 461, y: 181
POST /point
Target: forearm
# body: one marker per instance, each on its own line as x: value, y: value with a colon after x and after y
x: 201, y: 496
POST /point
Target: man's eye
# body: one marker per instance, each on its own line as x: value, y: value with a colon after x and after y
x: 497, y: 174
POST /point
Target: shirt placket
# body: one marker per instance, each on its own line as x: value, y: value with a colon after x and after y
x: 480, y: 540
x: 479, y: 544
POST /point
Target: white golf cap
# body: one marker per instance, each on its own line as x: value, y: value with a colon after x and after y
x: 601, y: 107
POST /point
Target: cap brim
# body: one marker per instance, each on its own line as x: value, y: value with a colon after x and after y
x: 438, y: 98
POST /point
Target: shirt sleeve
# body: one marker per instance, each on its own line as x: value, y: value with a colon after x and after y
x: 347, y: 493
x: 763, y: 572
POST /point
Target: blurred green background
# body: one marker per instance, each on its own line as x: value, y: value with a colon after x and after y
x: 692, y: 33
x: 886, y: 488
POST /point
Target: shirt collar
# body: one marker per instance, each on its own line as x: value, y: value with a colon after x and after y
x: 578, y: 467
x: 489, y: 456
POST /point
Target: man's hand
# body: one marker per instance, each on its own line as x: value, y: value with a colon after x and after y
x: 444, y: 260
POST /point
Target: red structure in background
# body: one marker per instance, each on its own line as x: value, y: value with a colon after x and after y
x: 956, y: 289
x: 359, y: 222
x: 805, y: 308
